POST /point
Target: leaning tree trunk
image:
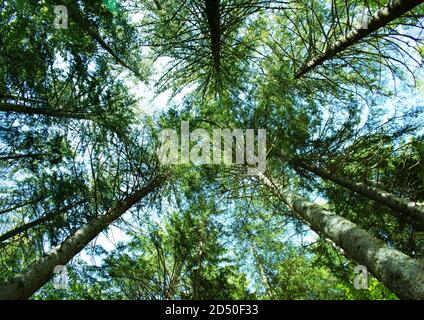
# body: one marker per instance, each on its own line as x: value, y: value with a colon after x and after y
x: 23, y: 286
x: 399, y: 205
x: 399, y: 272
x: 394, y: 9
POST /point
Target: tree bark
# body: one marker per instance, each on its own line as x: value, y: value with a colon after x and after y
x: 23, y: 286
x: 398, y: 205
x: 393, y: 10
x: 399, y: 272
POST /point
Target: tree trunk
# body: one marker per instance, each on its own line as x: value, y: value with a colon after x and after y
x: 399, y: 272
x: 47, y: 217
x: 398, y: 205
x: 394, y: 9
x: 23, y: 286
x: 213, y: 15
x: 264, y: 277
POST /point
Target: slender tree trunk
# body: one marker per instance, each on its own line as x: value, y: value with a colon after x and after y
x: 47, y: 217
x: 394, y: 9
x: 18, y: 108
x: 23, y: 286
x: 399, y: 272
x: 262, y: 273
x: 398, y: 205
x: 213, y: 15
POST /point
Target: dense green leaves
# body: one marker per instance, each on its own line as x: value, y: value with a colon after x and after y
x: 75, y: 143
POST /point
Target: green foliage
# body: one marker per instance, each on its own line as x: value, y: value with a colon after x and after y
x: 74, y: 143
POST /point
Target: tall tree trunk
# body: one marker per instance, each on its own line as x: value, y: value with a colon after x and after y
x: 394, y: 9
x: 213, y: 15
x: 23, y: 286
x: 399, y: 272
x: 18, y: 108
x: 262, y: 273
x: 398, y: 205
x: 47, y: 217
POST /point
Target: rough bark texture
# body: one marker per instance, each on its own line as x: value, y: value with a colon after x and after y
x: 399, y: 205
x: 23, y: 286
x: 394, y: 9
x: 399, y: 272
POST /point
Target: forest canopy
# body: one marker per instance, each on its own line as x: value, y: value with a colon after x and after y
x: 292, y: 133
